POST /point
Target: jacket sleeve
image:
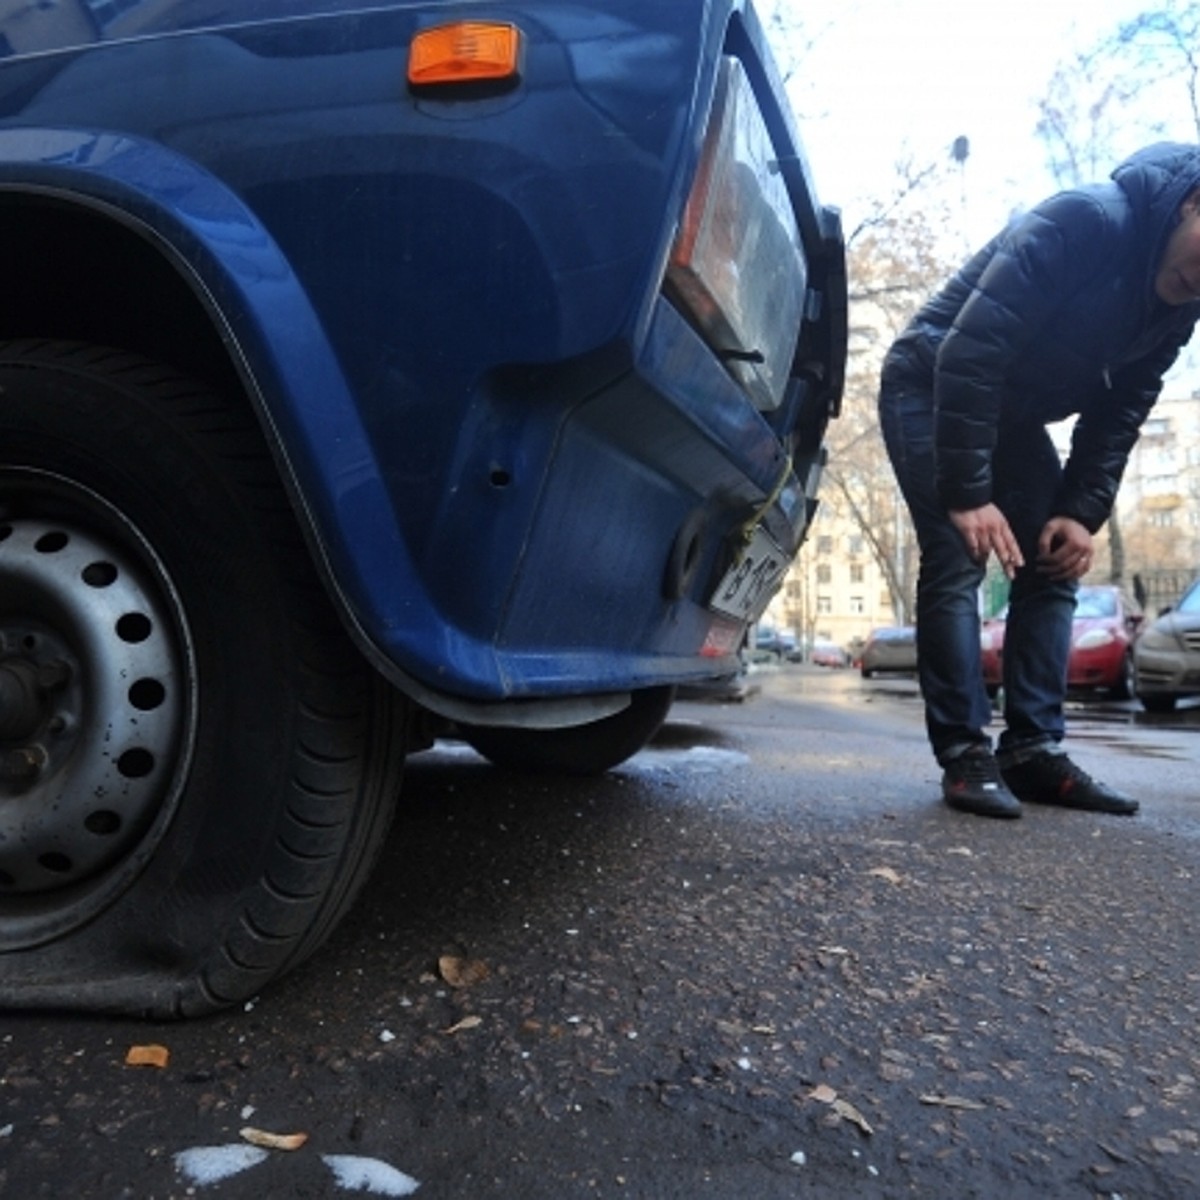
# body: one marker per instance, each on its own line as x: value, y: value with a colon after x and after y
x: 1107, y: 429
x: 1035, y: 268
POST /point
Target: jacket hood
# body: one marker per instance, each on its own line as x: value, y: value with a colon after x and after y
x: 1157, y: 180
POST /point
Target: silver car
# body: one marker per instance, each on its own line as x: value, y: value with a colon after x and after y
x: 891, y: 649
x: 1167, y: 655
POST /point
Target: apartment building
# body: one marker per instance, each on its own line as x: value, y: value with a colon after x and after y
x: 835, y: 590
x: 1158, y: 507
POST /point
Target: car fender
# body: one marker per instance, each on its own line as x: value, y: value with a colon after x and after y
x: 279, y: 349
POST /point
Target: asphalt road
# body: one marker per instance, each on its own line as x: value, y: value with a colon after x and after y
x: 760, y: 960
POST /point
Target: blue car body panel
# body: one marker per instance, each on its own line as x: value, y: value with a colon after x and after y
x: 521, y: 467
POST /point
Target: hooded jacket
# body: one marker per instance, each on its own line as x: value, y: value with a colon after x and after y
x: 1056, y: 316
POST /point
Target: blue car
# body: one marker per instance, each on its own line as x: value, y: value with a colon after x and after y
x: 368, y: 373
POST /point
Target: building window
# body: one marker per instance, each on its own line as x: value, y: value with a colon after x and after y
x: 825, y: 544
x: 824, y: 573
x: 856, y: 605
x: 824, y: 605
x: 795, y: 589
x: 854, y: 543
x: 856, y: 572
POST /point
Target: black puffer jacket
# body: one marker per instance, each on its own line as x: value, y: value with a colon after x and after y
x: 1057, y: 315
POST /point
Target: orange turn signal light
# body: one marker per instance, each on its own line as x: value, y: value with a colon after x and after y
x: 463, y: 52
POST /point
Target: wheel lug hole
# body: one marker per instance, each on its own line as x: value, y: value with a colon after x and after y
x: 60, y: 864
x: 99, y: 574
x: 134, y: 627
x: 102, y: 822
x: 51, y: 543
x: 147, y: 694
x: 136, y: 763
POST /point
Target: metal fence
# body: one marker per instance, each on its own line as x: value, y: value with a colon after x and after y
x: 1161, y: 587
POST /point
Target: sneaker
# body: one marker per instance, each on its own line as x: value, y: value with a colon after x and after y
x: 1055, y: 779
x: 972, y: 783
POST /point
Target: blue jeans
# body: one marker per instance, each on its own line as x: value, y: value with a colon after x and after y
x: 1026, y: 474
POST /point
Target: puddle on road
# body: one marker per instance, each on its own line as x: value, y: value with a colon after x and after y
x: 1136, y: 748
x: 696, y: 760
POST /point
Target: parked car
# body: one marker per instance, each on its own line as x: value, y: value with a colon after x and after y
x: 369, y: 372
x: 827, y: 654
x: 892, y: 649
x: 1103, y: 632
x: 1167, y: 655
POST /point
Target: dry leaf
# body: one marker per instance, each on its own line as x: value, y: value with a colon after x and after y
x: 823, y: 1094
x: 272, y: 1141
x: 952, y: 1102
x: 885, y: 873
x: 465, y: 1023
x: 848, y: 1112
x: 147, y: 1056
x: 462, y: 972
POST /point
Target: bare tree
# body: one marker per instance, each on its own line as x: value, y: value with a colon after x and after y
x: 896, y: 258
x: 1162, y: 48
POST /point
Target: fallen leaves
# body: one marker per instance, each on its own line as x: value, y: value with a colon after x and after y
x: 462, y: 972
x: 959, y: 1102
x: 272, y: 1141
x: 824, y: 1094
x: 885, y: 873
x: 152, y: 1055
x: 463, y: 1025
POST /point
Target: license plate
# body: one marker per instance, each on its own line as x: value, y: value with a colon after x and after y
x: 750, y: 583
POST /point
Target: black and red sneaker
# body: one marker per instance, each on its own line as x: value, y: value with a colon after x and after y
x: 1055, y: 779
x: 972, y: 783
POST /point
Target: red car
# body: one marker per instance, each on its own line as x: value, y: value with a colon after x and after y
x: 1102, y: 635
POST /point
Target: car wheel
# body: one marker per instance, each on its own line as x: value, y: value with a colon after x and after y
x: 1158, y: 703
x: 580, y: 749
x: 198, y: 767
x: 866, y: 673
x: 1125, y: 684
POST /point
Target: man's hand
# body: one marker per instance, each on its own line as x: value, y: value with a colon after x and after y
x: 986, y: 531
x: 1064, y: 549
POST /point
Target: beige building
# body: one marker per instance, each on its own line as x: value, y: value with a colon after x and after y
x: 835, y: 591
x: 1159, y: 503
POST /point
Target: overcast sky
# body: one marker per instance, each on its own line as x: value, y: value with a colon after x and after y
x: 886, y: 77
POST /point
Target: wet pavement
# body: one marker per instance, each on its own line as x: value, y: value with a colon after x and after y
x: 760, y: 960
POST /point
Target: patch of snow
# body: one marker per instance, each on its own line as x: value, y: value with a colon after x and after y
x: 697, y: 760
x: 203, y: 1165
x: 369, y: 1175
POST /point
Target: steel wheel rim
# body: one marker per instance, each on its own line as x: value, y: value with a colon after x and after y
x: 93, y: 636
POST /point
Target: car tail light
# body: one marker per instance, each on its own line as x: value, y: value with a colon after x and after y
x: 723, y: 638
x: 463, y: 52
x: 738, y: 264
